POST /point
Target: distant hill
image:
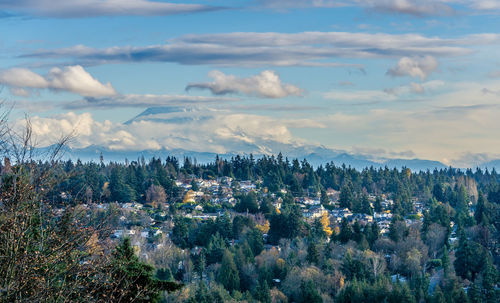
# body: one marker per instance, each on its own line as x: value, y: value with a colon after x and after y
x: 491, y: 164
x: 415, y: 164
x: 93, y: 153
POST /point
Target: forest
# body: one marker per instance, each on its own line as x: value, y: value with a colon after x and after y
x: 58, y: 218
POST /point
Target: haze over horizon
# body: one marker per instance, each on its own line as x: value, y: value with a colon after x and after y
x: 390, y: 78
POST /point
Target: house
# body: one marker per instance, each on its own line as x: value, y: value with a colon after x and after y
x: 315, y: 211
x: 247, y: 186
x: 384, y: 226
x: 387, y: 204
x: 198, y: 208
x: 203, y: 217
x: 342, y: 213
x: 127, y: 205
x: 225, y: 180
x: 309, y: 201
x: 363, y: 219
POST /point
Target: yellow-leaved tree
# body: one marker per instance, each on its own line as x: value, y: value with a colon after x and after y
x: 325, y: 221
x: 264, y: 228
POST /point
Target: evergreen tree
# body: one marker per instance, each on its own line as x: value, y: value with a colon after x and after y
x: 194, y: 185
x: 373, y: 233
x: 253, y: 237
x: 489, y: 281
x: 248, y: 203
x: 309, y: 293
x: 365, y: 205
x: 438, y: 192
x: 262, y: 292
x: 346, y: 197
x: 470, y: 259
x: 474, y: 293
x: 201, y: 295
x: 180, y: 232
x: 228, y: 274
x: 354, y: 269
x: 401, y: 294
x: 346, y: 233
x: 378, y: 204
x: 462, y: 200
x: 120, y: 190
x: 445, y: 261
x: 356, y: 231
x: 215, y: 249
x: 133, y: 280
x: 324, y: 200
x: 312, y: 253
x: 266, y: 207
x: 438, y: 296
x: 164, y: 274
x: 481, y: 214
x: 224, y: 226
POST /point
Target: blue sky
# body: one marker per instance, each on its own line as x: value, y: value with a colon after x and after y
x: 387, y: 78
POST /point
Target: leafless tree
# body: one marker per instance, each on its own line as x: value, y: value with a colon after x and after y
x: 47, y: 253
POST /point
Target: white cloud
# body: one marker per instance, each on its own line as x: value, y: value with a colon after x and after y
x: 95, y: 8
x: 485, y: 4
x: 416, y: 88
x: 283, y: 4
x: 22, y: 77
x: 410, y: 7
x: 418, y: 8
x: 267, y: 84
x: 415, y: 67
x: 399, y: 93
x: 278, y: 49
x: 73, y: 79
x: 473, y: 160
x: 77, y: 80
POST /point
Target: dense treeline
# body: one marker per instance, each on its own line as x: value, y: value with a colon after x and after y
x: 125, y: 182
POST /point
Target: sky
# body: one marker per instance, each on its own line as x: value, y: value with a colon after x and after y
x: 384, y: 78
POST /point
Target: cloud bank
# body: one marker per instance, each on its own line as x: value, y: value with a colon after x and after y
x: 218, y: 131
x: 417, y: 8
x: 276, y: 49
x: 96, y: 8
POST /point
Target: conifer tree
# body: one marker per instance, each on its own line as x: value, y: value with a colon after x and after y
x: 228, y: 274
x: 346, y: 233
